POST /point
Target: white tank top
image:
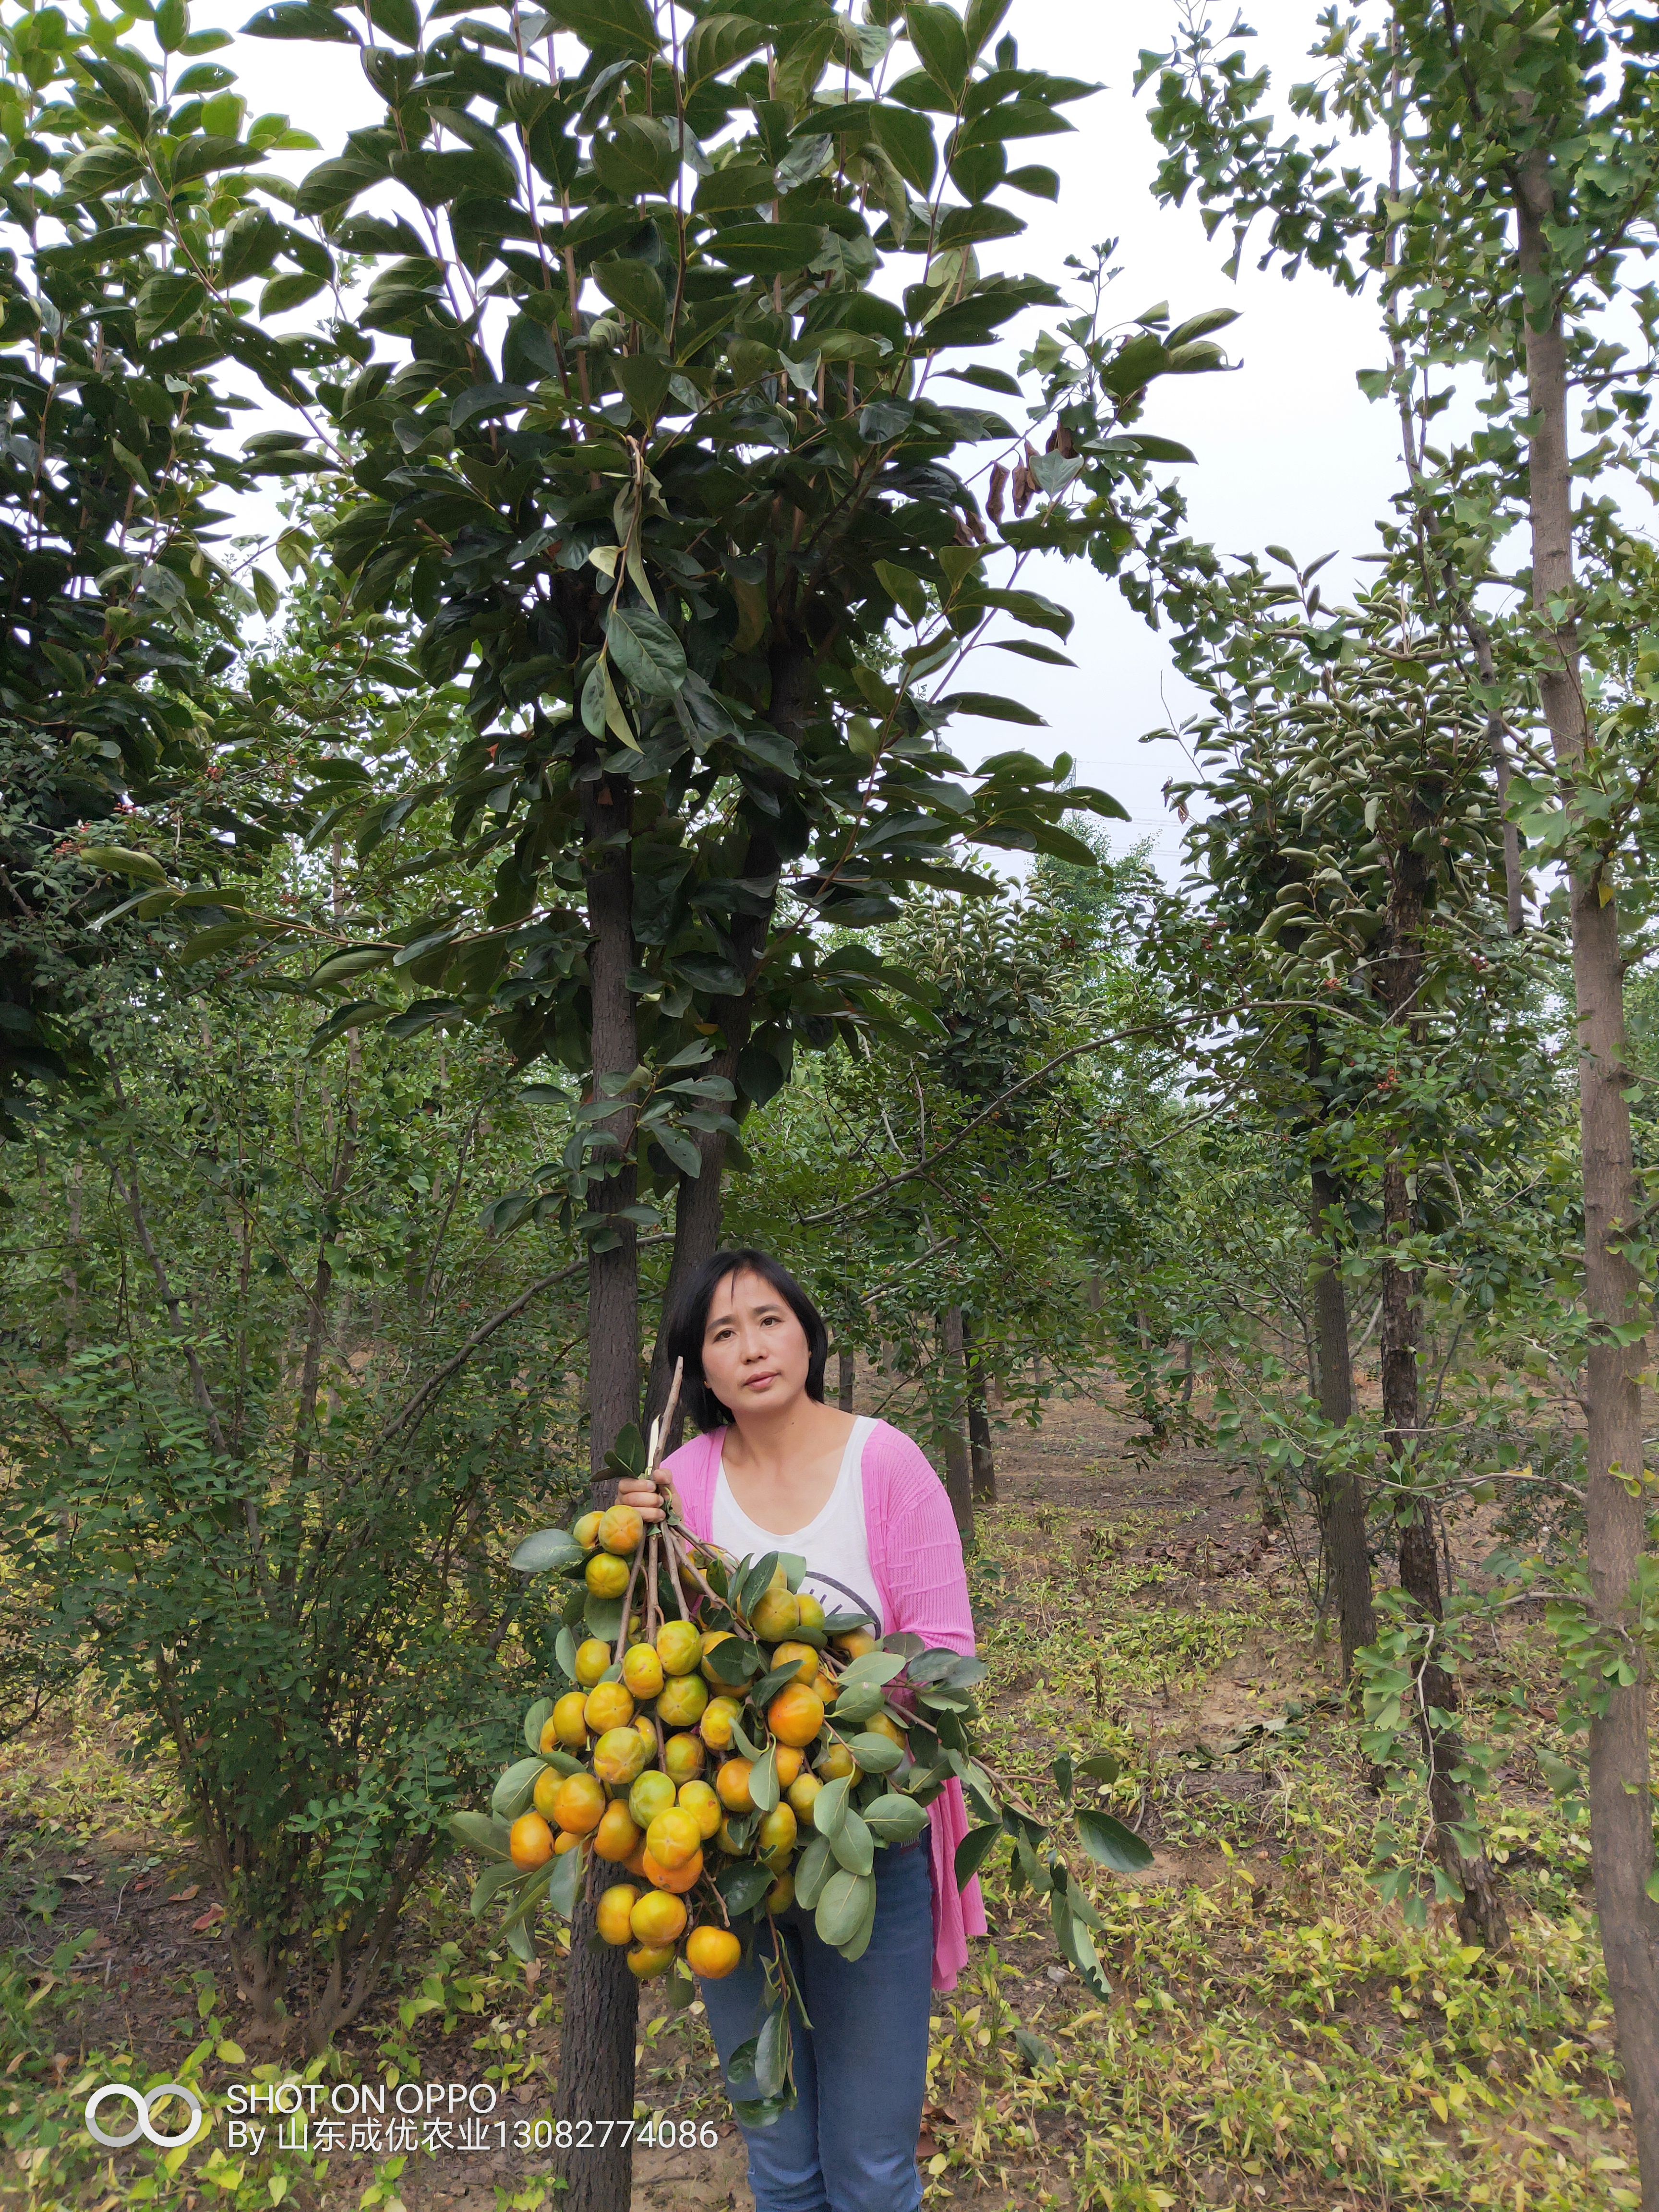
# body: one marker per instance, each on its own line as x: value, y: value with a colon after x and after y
x: 834, y: 1543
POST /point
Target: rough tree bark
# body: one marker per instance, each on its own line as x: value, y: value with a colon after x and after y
x: 1344, y: 1493
x: 958, y: 1474
x: 596, y: 2049
x: 698, y: 1203
x: 846, y: 1375
x: 1621, y: 1813
x: 979, y: 1420
x: 1481, y: 1916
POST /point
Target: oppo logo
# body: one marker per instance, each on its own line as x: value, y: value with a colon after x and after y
x: 143, y: 2106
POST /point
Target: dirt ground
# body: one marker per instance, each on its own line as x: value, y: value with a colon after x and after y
x: 1077, y: 1498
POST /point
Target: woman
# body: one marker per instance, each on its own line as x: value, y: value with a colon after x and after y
x: 776, y: 1469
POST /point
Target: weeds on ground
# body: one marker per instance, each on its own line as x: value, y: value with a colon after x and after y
x: 1276, y: 2037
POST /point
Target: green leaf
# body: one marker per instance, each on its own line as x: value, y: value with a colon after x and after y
x: 895, y: 1820
x: 645, y: 380
x: 603, y: 1615
x: 908, y: 591
x: 124, y: 90
x: 987, y: 380
x: 206, y: 942
x: 167, y: 301
x: 300, y: 18
x: 876, y: 1754
x: 734, y: 1661
x: 620, y: 26
x: 767, y: 249
x: 990, y: 707
x: 358, y: 1014
x: 812, y: 1871
x: 343, y: 965
x: 532, y: 1893
x: 100, y: 169
x: 771, y: 2051
x: 487, y: 399
x: 206, y: 155
x: 979, y: 19
x: 495, y: 1878
x: 635, y: 287
x: 830, y: 1806
x: 941, y: 46
x: 511, y: 1795
x: 637, y: 158
x: 1013, y: 119
x: 334, y: 185
x: 1101, y: 1767
x: 121, y: 860
x: 646, y: 651
x: 756, y: 1580
x: 1110, y: 1843
x: 1029, y: 650
x: 566, y: 1886
x: 973, y: 1850
x: 853, y: 1844
x: 1028, y: 607
x: 877, y: 1667
x: 880, y: 420
x: 547, y: 1549
x: 718, y: 41
x: 743, y: 1884
x: 969, y: 226
x: 398, y: 19
x: 906, y: 136
x: 763, y: 1780
x: 477, y: 1832
x: 857, y: 1705
x: 840, y: 1908
x: 534, y: 1721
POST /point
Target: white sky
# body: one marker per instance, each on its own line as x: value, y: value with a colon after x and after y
x: 1288, y: 451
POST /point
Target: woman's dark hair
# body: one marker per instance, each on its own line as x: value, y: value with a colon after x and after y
x: 688, y: 1321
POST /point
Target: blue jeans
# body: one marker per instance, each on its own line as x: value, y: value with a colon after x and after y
x: 861, y: 2070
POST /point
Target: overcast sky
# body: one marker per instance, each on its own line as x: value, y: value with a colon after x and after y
x: 1288, y: 451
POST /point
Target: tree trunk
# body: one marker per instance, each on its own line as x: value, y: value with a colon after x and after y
x: 596, y: 2043
x: 699, y: 1201
x: 1344, y: 1493
x: 979, y: 1420
x: 1621, y: 1813
x: 958, y: 1474
x: 846, y: 1376
x: 697, y: 1208
x: 1480, y: 1917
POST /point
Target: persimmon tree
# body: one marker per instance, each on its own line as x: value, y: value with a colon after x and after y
x: 1509, y: 233
x: 118, y: 605
x: 658, y: 461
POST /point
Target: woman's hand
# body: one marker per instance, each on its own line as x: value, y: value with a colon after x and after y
x: 642, y: 1496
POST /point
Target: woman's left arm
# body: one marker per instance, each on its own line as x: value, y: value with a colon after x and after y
x: 926, y: 1581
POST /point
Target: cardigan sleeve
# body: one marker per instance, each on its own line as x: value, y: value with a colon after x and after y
x: 917, y: 1550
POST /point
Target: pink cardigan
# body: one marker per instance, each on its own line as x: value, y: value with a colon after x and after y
x: 915, y: 1555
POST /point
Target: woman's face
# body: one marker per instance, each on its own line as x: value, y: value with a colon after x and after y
x: 754, y: 1353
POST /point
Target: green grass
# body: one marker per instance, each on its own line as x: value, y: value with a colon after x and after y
x: 1276, y: 2037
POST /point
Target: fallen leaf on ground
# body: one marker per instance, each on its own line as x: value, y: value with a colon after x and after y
x: 215, y: 1912
x: 185, y: 1895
